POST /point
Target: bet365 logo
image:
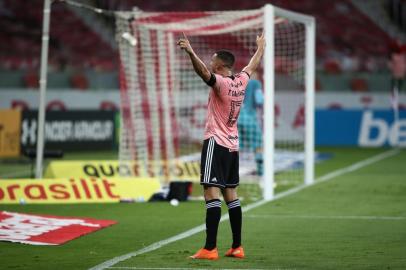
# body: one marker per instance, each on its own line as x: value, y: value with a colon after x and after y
x: 378, y: 132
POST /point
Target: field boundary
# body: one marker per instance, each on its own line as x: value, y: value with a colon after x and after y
x: 369, y: 218
x: 171, y: 268
x: 180, y: 268
x: 356, y: 166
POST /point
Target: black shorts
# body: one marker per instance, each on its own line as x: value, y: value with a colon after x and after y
x: 218, y: 166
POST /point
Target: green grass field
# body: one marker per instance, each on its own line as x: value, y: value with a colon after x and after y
x: 356, y: 220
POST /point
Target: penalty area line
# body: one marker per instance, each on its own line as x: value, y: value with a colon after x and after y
x: 327, y: 177
x: 325, y: 217
x: 171, y: 268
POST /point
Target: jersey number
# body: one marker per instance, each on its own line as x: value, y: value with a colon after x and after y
x: 234, y: 112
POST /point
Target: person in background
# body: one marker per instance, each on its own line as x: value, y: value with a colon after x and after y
x: 397, y: 65
x: 249, y: 129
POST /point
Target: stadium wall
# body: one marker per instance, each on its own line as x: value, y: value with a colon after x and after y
x: 342, y: 119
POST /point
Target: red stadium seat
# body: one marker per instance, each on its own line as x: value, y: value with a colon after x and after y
x: 31, y: 80
x: 331, y: 66
x: 359, y: 85
x: 79, y: 81
x: 342, y: 28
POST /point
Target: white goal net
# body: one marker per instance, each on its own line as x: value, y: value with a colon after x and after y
x: 163, y: 101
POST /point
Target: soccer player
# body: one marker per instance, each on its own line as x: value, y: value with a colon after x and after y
x: 250, y: 134
x: 219, y: 160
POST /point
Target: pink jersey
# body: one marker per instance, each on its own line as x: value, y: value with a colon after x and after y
x: 225, y: 100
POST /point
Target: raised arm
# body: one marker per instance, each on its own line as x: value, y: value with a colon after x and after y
x: 256, y: 58
x: 198, y: 64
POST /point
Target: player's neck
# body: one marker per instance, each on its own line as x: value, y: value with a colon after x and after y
x: 225, y: 72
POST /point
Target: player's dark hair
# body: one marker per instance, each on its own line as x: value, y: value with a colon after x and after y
x: 227, y: 57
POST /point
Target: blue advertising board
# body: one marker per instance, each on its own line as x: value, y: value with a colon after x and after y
x: 367, y: 128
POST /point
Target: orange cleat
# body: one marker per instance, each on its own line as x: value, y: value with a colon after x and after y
x: 236, y: 252
x: 206, y: 254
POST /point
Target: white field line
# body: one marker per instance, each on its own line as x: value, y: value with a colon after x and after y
x: 200, y: 228
x: 325, y: 217
x: 171, y: 268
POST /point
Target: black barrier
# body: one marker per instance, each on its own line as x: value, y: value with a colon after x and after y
x: 70, y: 130
x: 179, y: 190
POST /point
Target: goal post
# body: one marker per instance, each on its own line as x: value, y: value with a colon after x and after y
x: 269, y: 102
x: 270, y: 13
x: 164, y: 103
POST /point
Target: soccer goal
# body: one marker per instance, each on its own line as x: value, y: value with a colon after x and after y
x: 163, y: 101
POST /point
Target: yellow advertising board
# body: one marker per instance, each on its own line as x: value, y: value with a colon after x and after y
x: 177, y: 170
x: 10, y: 126
x: 77, y: 190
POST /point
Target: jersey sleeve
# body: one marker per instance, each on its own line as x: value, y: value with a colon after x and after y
x: 216, y: 82
x: 244, y: 77
x: 212, y: 81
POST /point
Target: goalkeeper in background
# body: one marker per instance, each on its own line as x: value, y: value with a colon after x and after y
x: 220, y: 159
x: 249, y: 129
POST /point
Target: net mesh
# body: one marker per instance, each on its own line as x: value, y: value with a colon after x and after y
x: 290, y: 38
x: 164, y: 102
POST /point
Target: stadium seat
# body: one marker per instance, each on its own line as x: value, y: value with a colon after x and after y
x: 75, y: 45
x: 331, y: 66
x: 70, y: 37
x: 318, y: 86
x: 31, y: 80
x: 79, y: 81
x: 359, y: 85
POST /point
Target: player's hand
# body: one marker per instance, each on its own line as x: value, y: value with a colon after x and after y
x: 261, y: 41
x: 184, y: 44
